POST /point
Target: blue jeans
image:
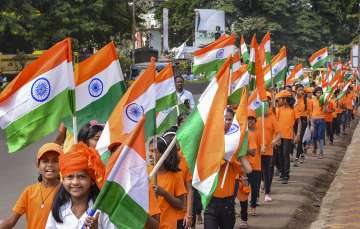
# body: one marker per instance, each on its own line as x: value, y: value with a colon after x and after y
x: 319, y: 133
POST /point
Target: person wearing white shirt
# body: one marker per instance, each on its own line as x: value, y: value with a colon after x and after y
x: 184, y: 96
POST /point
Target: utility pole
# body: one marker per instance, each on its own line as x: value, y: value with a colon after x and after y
x: 133, y: 30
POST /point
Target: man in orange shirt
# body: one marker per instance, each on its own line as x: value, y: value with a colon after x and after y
x: 220, y: 212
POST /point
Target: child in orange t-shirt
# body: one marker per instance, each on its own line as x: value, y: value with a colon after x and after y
x: 254, y: 159
x: 329, y: 109
x: 170, y: 189
x: 36, y: 199
x: 285, y: 117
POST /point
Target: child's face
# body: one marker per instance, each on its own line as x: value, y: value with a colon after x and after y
x: 228, y: 120
x: 93, y: 141
x: 77, y: 184
x: 300, y: 91
x: 154, y: 154
x: 48, y: 165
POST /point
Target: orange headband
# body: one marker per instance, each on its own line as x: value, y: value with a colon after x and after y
x: 81, y: 157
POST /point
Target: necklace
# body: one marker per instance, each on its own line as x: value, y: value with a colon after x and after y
x: 42, y: 199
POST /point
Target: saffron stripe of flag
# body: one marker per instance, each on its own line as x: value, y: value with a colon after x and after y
x: 319, y: 58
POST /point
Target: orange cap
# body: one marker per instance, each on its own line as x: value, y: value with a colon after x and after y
x: 308, y: 89
x: 81, y: 157
x: 251, y: 113
x: 283, y: 94
x: 53, y: 147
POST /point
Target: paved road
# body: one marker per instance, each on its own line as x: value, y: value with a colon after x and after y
x: 16, y: 172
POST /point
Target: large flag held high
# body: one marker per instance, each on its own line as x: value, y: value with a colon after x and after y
x: 202, y: 149
x: 34, y: 103
x: 99, y: 85
x: 319, y: 58
x: 209, y: 59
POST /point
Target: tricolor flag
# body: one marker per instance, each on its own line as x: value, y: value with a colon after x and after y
x: 236, y: 66
x: 202, y: 149
x: 35, y: 102
x: 139, y: 100
x: 343, y: 91
x: 125, y: 194
x: 209, y: 59
x: 238, y: 83
x: 296, y: 75
x: 237, y: 134
x: 330, y: 74
x: 251, y: 65
x: 99, y: 85
x: 279, y: 69
x: 305, y: 81
x: 244, y: 51
x: 166, y: 99
x: 319, y: 58
x: 265, y: 50
x: 256, y: 104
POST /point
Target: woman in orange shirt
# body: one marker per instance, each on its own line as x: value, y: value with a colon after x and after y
x: 286, y: 120
x: 170, y: 189
x: 36, y: 200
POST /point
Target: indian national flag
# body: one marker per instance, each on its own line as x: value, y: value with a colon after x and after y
x: 209, y: 59
x: 236, y: 66
x: 265, y: 50
x: 244, y: 51
x: 295, y: 75
x: 251, y: 65
x: 139, y: 100
x: 305, y: 81
x: 99, y: 85
x: 34, y: 103
x: 343, y: 91
x: 203, y: 150
x: 166, y: 99
x: 279, y: 69
x: 256, y: 104
x: 319, y: 58
x: 236, y: 135
x: 330, y: 74
x: 238, y: 83
x: 124, y: 196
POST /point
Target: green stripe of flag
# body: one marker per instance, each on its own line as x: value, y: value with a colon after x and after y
x: 209, y: 69
x: 166, y: 102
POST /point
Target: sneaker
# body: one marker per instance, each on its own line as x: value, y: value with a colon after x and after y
x: 284, y: 181
x: 253, y: 211
x: 243, y: 224
x: 296, y: 162
x: 302, y: 159
x: 267, y: 198
x: 291, y: 158
x: 321, y: 156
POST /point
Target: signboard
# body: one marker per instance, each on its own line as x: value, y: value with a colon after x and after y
x: 355, y: 56
x: 208, y: 23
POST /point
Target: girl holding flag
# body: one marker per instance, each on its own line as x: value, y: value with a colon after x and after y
x: 83, y: 174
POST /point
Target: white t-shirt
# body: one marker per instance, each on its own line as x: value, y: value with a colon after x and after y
x: 185, y: 94
x: 70, y: 221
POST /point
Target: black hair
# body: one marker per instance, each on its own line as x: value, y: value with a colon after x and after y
x: 89, y: 131
x: 290, y: 101
x: 297, y: 86
x: 62, y: 197
x: 337, y: 91
x: 230, y: 110
x: 171, y: 163
x: 40, y: 178
x: 179, y: 76
x: 316, y: 90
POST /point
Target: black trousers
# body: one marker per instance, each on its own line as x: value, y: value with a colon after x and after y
x: 197, y: 207
x: 244, y: 210
x: 336, y: 124
x: 285, y: 149
x: 220, y: 213
x: 329, y: 131
x: 276, y: 157
x: 254, y: 179
x: 299, y: 146
x: 267, y: 172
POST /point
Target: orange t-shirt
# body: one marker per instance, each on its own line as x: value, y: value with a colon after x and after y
x: 254, y: 143
x: 229, y: 184
x: 299, y: 108
x: 173, y: 183
x: 316, y: 111
x: 348, y: 98
x: 153, y: 205
x: 30, y: 202
x: 269, y: 132
x: 285, y: 118
x: 329, y: 115
x: 187, y: 177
